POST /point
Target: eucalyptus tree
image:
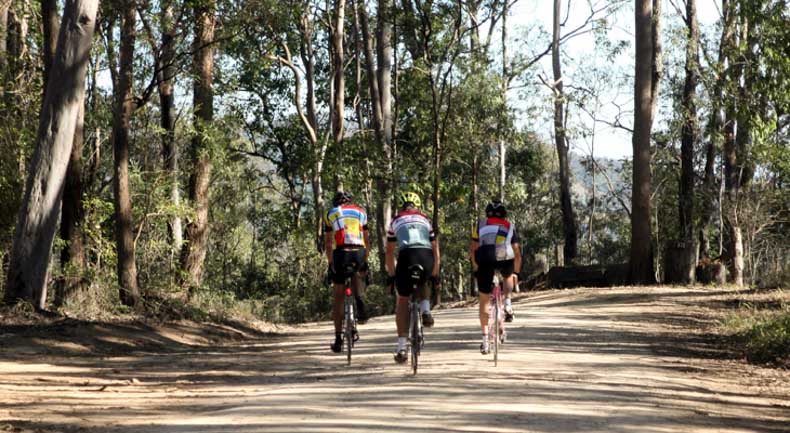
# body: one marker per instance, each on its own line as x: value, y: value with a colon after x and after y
x: 35, y: 229
x: 197, y: 229
x: 685, y: 271
x: 123, y: 107
x: 647, y: 75
x: 561, y: 143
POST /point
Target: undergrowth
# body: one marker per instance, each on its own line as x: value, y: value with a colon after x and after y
x: 763, y: 332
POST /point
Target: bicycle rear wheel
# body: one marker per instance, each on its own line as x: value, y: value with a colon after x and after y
x: 496, y: 330
x: 415, y: 336
x: 349, y: 327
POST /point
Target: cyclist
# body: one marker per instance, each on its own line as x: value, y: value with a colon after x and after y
x: 495, y: 246
x: 412, y: 234
x: 349, y: 224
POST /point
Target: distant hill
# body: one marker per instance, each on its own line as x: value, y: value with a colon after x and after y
x: 582, y: 180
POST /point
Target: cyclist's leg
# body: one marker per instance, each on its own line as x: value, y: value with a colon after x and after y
x: 339, y: 289
x: 358, y: 285
x: 403, y: 287
x: 506, y: 268
x: 424, y: 257
x: 337, y: 312
x: 485, y: 277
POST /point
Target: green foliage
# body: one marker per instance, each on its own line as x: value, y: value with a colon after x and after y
x: 765, y: 334
x: 263, y: 259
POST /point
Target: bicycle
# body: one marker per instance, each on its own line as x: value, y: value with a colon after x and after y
x: 350, y: 334
x: 416, y: 340
x: 496, y: 310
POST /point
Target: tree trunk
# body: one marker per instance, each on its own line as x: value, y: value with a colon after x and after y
x: 384, y: 77
x: 49, y: 21
x: 569, y: 250
x: 590, y: 231
x: 72, y: 256
x: 437, y: 159
x: 194, y: 252
x: 436, y: 297
x: 383, y: 206
x: 474, y: 207
x: 732, y: 72
x: 687, y: 263
x: 716, y: 127
x: 502, y: 145
x: 737, y: 166
x: 122, y: 114
x: 168, y: 118
x: 387, y: 125
x: 339, y: 72
x: 36, y: 224
x: 4, y: 7
x: 310, y: 123
x: 17, y: 42
x: 657, y: 64
x: 641, y: 254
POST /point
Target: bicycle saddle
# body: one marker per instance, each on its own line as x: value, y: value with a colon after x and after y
x: 416, y: 271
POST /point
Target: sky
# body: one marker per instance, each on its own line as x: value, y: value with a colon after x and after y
x: 609, y: 142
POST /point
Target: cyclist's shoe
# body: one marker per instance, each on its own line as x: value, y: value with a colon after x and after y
x: 484, y: 348
x: 427, y: 319
x: 362, y: 313
x: 509, y: 314
x: 401, y: 357
x: 337, y: 346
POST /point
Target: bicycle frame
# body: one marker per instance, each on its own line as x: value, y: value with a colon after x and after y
x: 496, y: 316
x: 416, y: 340
x: 349, y: 318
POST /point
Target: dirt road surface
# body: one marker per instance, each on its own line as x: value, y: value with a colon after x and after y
x: 585, y: 360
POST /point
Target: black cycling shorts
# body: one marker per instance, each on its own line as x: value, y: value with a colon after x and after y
x: 341, y: 257
x: 486, y: 268
x: 406, y: 258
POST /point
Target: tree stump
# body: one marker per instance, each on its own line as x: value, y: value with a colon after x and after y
x: 712, y: 273
x: 680, y: 260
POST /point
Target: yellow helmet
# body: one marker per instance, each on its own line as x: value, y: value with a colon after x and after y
x: 408, y: 197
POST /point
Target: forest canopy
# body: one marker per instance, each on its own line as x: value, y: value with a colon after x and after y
x: 200, y: 142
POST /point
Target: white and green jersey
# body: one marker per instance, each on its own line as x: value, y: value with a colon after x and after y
x: 411, y: 229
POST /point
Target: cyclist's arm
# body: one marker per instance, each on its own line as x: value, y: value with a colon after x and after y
x: 390, y: 258
x: 435, y: 248
x: 367, y: 242
x: 517, y: 257
x: 472, y: 249
x: 329, y: 244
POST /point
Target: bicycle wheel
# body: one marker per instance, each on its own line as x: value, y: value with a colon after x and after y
x: 415, y: 336
x: 349, y: 326
x: 496, y: 329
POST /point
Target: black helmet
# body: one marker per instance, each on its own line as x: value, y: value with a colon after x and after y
x: 496, y: 209
x: 341, y: 197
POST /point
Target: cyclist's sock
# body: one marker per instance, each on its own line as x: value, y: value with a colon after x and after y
x: 425, y: 305
x: 402, y: 341
x: 508, y: 303
x: 485, y: 338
